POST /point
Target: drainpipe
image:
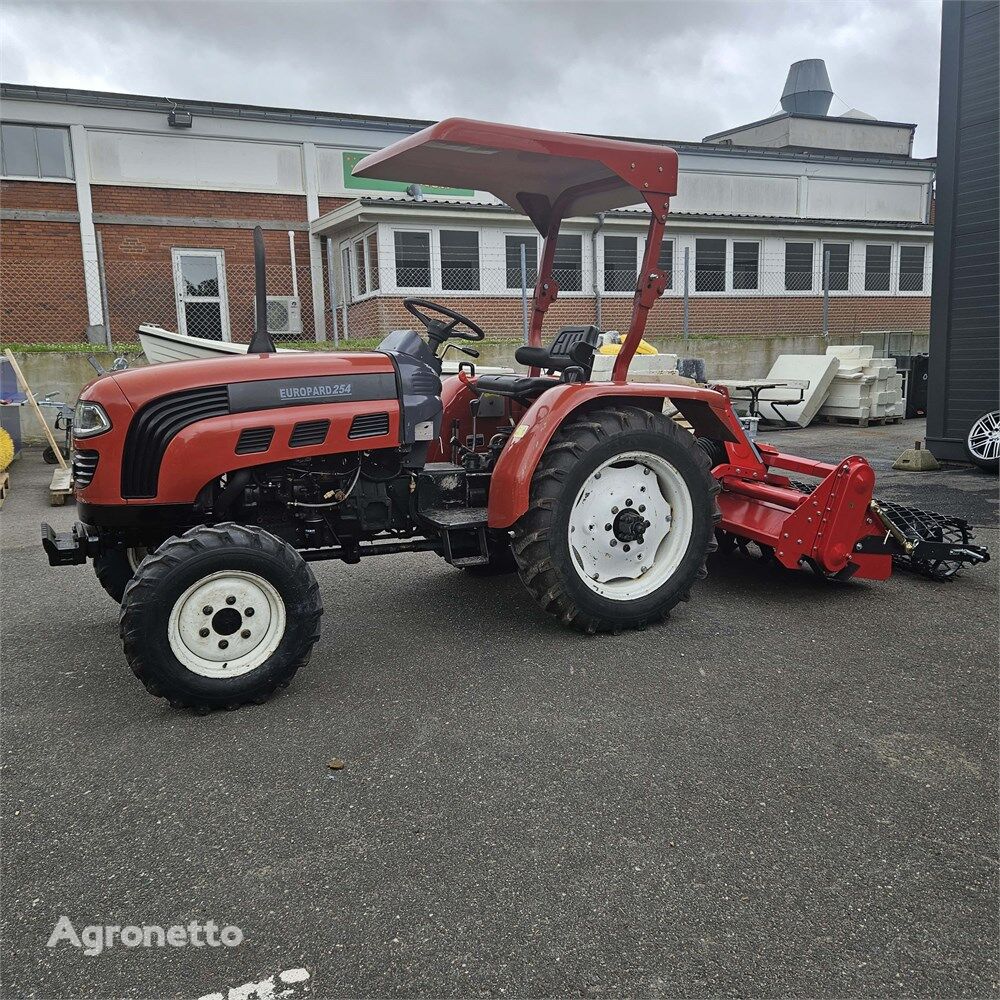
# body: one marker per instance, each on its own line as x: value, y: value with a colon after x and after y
x: 593, y: 258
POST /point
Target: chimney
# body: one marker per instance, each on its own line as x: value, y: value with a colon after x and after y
x: 807, y: 88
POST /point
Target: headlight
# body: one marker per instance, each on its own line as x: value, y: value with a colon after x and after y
x: 89, y: 419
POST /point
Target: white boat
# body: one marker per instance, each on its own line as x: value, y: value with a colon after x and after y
x: 161, y: 345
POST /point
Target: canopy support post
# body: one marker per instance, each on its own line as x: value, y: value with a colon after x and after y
x: 649, y: 287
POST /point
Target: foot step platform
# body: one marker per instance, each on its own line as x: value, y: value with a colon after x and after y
x: 463, y: 530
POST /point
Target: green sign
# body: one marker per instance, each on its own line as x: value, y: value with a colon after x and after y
x: 351, y: 160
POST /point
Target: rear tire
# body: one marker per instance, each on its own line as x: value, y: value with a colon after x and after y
x: 220, y: 617
x: 116, y: 568
x: 620, y: 522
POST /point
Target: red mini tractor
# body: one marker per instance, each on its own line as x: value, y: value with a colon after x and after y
x: 205, y: 488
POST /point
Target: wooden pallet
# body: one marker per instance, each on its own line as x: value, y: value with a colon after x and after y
x: 4, y: 486
x: 828, y: 418
x: 60, y: 487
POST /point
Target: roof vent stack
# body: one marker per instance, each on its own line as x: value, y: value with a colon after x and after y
x: 807, y: 88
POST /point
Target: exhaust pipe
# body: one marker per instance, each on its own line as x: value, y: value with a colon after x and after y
x: 261, y: 342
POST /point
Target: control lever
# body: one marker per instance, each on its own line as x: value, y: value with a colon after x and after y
x: 470, y: 351
x: 474, y: 407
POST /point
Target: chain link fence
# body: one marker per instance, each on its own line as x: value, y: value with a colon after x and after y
x: 56, y: 300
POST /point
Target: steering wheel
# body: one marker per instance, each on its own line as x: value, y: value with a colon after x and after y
x: 437, y: 329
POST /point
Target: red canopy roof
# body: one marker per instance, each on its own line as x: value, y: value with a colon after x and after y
x: 531, y: 170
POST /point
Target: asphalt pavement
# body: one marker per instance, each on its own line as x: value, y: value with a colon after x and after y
x: 788, y: 790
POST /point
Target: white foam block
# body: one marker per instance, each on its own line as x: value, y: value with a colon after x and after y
x: 816, y: 369
x: 642, y: 364
x: 846, y: 411
x: 851, y: 351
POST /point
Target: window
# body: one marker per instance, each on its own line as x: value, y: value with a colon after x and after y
x: 839, y: 256
x: 200, y: 292
x: 413, y: 259
x: 621, y: 263
x: 746, y: 264
x: 360, y: 271
x: 363, y: 253
x: 798, y: 267
x: 35, y: 151
x: 514, y: 244
x: 345, y: 269
x: 911, y: 269
x: 371, y: 248
x: 709, y: 265
x: 878, y: 264
x: 665, y: 262
x: 567, y: 265
x: 459, y: 260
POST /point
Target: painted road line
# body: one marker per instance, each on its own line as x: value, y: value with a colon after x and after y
x: 287, y: 985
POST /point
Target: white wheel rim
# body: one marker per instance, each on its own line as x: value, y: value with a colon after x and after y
x: 135, y: 555
x: 226, y: 624
x: 634, y: 495
x: 984, y: 438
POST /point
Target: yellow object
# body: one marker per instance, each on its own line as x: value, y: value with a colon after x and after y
x: 645, y: 347
x: 6, y: 449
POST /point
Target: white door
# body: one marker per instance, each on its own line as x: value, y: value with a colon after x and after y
x: 200, y: 289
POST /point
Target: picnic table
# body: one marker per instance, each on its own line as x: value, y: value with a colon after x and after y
x: 755, y: 386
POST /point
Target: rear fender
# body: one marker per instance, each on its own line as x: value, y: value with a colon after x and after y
x: 708, y: 412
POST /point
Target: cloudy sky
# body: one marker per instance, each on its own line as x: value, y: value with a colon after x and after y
x: 673, y: 70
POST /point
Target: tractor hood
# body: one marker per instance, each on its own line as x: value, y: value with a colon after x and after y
x: 306, y: 377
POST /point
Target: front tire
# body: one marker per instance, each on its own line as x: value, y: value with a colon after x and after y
x: 220, y: 617
x: 116, y: 567
x: 620, y: 522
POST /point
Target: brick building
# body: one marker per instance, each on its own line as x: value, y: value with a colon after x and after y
x: 120, y: 209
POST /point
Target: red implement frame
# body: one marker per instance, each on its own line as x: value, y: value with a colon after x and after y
x: 553, y: 176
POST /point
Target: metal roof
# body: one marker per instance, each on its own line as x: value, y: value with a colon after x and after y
x: 548, y: 175
x: 817, y: 118
x: 401, y: 201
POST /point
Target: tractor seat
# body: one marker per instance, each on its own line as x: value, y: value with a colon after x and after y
x: 573, y: 347
x: 522, y: 387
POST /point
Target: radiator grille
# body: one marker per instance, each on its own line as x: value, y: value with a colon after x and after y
x: 368, y: 425
x: 155, y: 426
x: 309, y: 432
x: 254, y: 439
x: 84, y: 467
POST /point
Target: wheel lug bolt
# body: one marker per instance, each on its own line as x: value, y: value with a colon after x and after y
x: 230, y: 600
x: 245, y: 633
x: 203, y: 633
x: 249, y: 612
x: 223, y: 644
x: 207, y: 609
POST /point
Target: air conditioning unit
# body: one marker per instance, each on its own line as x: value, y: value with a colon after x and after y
x: 284, y: 318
